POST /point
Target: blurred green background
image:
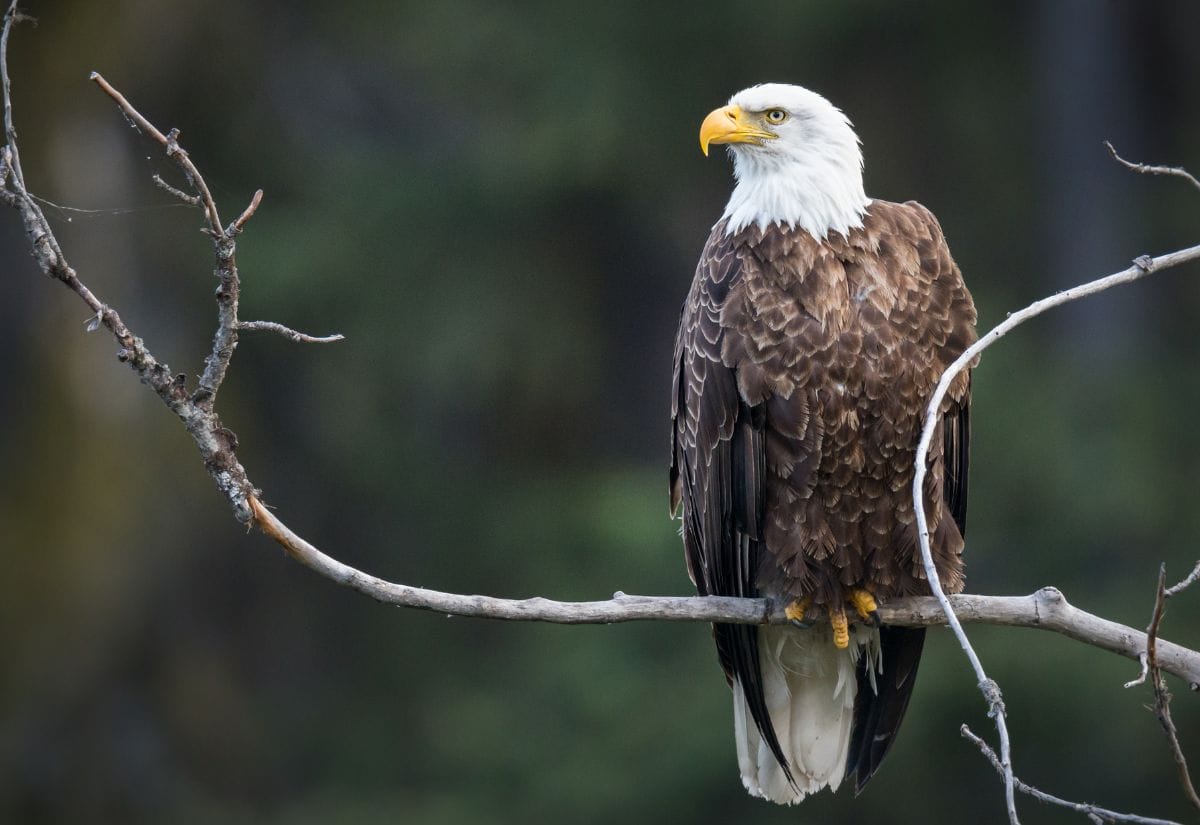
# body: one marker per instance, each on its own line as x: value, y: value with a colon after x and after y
x: 501, y: 205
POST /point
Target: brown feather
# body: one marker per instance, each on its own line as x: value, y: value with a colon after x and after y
x: 802, y: 367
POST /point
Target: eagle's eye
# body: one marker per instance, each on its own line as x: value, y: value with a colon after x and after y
x: 776, y: 116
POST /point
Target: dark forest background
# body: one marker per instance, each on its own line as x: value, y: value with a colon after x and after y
x: 501, y: 205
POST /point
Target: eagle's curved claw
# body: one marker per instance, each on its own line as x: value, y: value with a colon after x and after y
x: 796, y: 610
x: 865, y: 605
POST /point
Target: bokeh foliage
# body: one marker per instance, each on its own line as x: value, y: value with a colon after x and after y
x: 501, y: 205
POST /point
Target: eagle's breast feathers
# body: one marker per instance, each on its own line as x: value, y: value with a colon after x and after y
x: 836, y: 345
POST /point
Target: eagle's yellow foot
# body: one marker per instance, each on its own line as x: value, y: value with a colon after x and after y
x: 841, y: 627
x: 865, y: 604
x: 796, y: 610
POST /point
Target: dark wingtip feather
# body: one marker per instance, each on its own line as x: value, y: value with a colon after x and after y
x: 877, y: 716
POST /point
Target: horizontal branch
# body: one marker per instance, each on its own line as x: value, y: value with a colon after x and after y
x: 289, y: 333
x: 1047, y: 609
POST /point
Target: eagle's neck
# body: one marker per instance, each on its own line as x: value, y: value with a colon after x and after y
x: 820, y: 192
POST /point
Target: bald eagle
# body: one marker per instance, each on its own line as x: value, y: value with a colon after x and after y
x: 816, y: 328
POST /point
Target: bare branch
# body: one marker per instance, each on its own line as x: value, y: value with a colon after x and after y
x: 215, y: 443
x: 1140, y: 679
x: 288, y: 332
x: 1191, y: 579
x: 1047, y: 609
x: 1145, y: 169
x: 229, y: 287
x: 1162, y: 697
x: 1094, y: 812
x: 190, y: 200
x: 175, y: 152
x: 1144, y: 266
x: 247, y: 214
x: 13, y: 161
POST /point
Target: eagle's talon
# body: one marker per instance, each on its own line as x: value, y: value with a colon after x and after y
x: 841, y: 628
x: 864, y: 604
x: 796, y: 610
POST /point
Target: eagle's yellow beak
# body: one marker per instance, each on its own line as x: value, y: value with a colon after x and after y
x: 730, y: 124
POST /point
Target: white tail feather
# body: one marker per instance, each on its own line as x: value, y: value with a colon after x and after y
x: 809, y: 686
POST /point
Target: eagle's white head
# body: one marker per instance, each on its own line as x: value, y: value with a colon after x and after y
x: 796, y: 159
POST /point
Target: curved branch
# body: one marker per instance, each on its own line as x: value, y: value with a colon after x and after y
x: 1093, y: 812
x: 1047, y: 609
x: 1187, y: 582
x: 1147, y: 169
x: 1143, y: 266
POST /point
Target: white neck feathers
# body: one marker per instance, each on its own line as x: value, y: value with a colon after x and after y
x: 808, y: 176
x: 816, y: 196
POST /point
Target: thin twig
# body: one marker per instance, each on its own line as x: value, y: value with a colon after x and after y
x: 1094, y: 811
x: 1162, y: 697
x: 1140, y: 679
x: 1191, y: 579
x: 191, y: 200
x: 216, y: 364
x: 175, y: 152
x: 1146, y: 169
x: 288, y: 332
x: 247, y: 214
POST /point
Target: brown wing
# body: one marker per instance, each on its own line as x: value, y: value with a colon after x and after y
x: 717, y: 471
x: 878, y: 714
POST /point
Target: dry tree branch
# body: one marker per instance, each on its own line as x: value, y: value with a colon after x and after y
x: 1146, y: 169
x: 216, y: 443
x: 1046, y: 609
x: 229, y: 284
x: 1191, y: 579
x: 288, y: 332
x: 190, y: 200
x: 1142, y: 266
x: 174, y: 151
x: 1162, y: 697
x: 247, y: 213
x: 12, y: 159
x: 1093, y: 812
